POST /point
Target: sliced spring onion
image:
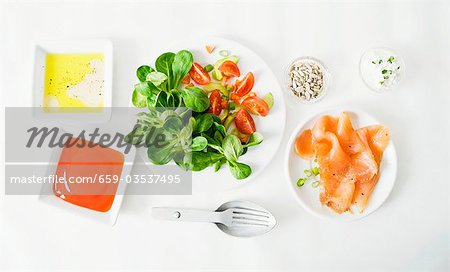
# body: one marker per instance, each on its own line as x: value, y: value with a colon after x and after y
x: 208, y: 68
x: 216, y: 86
x: 315, y: 171
x: 308, y: 173
x: 268, y: 97
x: 224, y: 53
x: 228, y: 121
x: 224, y: 115
x: 301, y: 182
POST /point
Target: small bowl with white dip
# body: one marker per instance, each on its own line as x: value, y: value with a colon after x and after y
x: 381, y: 69
x: 307, y: 79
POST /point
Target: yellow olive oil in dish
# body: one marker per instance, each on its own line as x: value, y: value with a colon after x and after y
x: 74, y: 81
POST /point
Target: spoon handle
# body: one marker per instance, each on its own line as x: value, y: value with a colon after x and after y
x: 176, y: 214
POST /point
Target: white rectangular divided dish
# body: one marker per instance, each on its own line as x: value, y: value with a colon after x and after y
x: 72, y: 47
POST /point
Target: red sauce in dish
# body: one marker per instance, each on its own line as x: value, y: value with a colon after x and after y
x: 85, y: 170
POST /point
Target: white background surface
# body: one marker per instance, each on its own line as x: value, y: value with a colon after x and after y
x: 409, y: 232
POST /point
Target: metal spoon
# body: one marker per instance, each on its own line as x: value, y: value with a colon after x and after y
x: 236, y: 218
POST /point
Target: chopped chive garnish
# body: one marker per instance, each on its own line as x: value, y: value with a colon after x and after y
x: 384, y: 71
x: 208, y: 68
x: 224, y: 53
x: 301, y: 182
x: 308, y: 173
x: 315, y: 171
x: 391, y: 59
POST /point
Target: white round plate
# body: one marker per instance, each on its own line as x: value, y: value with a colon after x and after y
x: 308, y: 196
x: 270, y: 126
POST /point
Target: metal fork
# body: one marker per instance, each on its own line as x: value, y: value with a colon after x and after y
x: 237, y: 218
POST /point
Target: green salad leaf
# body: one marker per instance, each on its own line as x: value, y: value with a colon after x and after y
x: 232, y: 148
x: 199, y: 143
x: 239, y: 170
x: 182, y: 63
x: 203, y: 122
x: 157, y: 78
x: 160, y: 155
x: 195, y: 99
x: 173, y: 124
x: 143, y: 71
x: 255, y: 139
x: 139, y: 100
x: 146, y: 88
x: 163, y: 64
x: 202, y: 160
x: 218, y: 164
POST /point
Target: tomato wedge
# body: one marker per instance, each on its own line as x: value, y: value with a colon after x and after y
x: 209, y: 48
x: 199, y: 75
x: 215, y: 102
x: 236, y: 99
x: 244, y: 122
x: 224, y: 104
x: 224, y: 81
x: 245, y: 85
x: 186, y: 80
x: 256, y: 105
x: 229, y: 69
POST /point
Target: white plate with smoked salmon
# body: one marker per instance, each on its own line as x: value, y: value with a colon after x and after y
x: 341, y: 165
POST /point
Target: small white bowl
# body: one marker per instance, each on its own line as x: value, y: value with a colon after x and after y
x: 326, y: 79
x: 72, y: 47
x: 365, y: 61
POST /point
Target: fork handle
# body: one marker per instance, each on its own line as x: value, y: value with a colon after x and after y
x: 175, y: 214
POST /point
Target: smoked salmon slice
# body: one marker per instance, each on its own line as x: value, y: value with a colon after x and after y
x: 304, y: 146
x: 348, y: 159
x: 363, y: 165
x: 336, y: 194
x: 377, y: 137
x: 334, y: 165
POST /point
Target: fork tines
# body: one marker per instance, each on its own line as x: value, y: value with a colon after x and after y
x: 247, y: 216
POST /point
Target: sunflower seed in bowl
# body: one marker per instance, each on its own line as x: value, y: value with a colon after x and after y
x: 307, y: 79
